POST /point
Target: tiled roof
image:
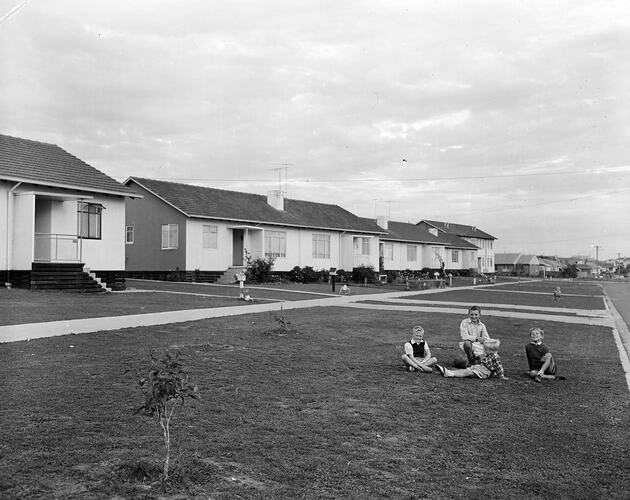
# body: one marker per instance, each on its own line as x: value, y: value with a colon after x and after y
x: 515, y: 258
x: 49, y: 165
x: 205, y: 202
x: 411, y: 233
x: 459, y: 229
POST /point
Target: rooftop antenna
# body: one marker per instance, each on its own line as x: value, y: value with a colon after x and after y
x: 283, y: 187
x: 389, y: 203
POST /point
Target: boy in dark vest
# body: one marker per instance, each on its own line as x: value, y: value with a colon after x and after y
x: 417, y: 355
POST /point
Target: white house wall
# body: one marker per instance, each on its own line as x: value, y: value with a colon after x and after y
x: 23, y: 231
x: 4, y: 213
x: 208, y: 259
x: 108, y: 253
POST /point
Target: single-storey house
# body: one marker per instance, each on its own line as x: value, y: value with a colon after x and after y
x: 517, y: 264
x: 58, y: 214
x: 409, y: 246
x: 480, y: 239
x: 550, y: 266
x: 192, y: 228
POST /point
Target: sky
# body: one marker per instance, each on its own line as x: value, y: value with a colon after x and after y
x: 510, y: 116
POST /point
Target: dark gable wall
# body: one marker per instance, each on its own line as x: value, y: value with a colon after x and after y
x: 147, y: 215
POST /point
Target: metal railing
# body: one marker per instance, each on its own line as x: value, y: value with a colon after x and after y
x: 53, y: 247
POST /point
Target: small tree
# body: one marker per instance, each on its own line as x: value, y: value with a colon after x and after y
x: 165, y: 385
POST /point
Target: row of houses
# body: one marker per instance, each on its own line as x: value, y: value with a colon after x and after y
x: 520, y: 264
x: 57, y: 209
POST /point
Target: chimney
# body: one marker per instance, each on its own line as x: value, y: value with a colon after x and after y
x: 275, y: 198
x: 433, y: 231
x: 382, y: 221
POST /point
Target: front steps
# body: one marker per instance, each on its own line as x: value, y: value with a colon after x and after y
x: 228, y: 277
x: 67, y: 277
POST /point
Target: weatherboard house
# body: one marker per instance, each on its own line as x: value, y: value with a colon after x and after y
x: 472, y: 234
x: 407, y: 246
x: 60, y: 219
x: 193, y: 229
x: 517, y: 264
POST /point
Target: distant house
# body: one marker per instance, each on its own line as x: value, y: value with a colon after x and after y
x: 409, y: 246
x: 482, y: 240
x: 517, y: 264
x: 185, y: 227
x: 550, y: 266
x: 57, y: 210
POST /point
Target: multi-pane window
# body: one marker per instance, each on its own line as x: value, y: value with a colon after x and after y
x: 129, y: 235
x: 388, y: 251
x: 275, y: 244
x: 89, y: 223
x: 321, y: 246
x: 210, y: 236
x: 455, y: 256
x: 362, y: 246
x: 412, y: 253
x: 169, y: 236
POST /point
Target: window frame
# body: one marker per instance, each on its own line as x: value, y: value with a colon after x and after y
x: 89, y: 220
x: 171, y: 229
x: 455, y: 256
x: 319, y: 239
x: 209, y: 239
x: 414, y: 253
x: 130, y: 230
x: 279, y: 237
x: 388, y: 251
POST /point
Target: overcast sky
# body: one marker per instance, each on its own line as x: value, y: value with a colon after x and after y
x: 510, y: 116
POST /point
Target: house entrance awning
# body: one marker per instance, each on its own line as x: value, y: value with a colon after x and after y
x: 245, y: 226
x: 56, y: 196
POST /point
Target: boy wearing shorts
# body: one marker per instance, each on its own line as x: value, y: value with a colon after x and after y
x: 473, y: 333
x: 539, y: 358
x: 490, y: 364
x: 417, y: 355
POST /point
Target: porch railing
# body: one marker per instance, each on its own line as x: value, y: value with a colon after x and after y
x: 54, y: 247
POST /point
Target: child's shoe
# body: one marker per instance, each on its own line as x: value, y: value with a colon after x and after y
x: 538, y: 378
x: 411, y: 369
x: 441, y: 369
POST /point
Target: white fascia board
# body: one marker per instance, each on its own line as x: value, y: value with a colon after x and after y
x: 70, y: 186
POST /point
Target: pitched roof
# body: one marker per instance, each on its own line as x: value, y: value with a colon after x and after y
x: 49, y: 165
x: 411, y: 233
x: 514, y: 258
x: 461, y: 230
x: 212, y: 203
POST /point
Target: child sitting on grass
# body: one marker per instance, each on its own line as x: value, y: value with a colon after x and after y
x: 557, y: 294
x: 539, y: 358
x: 473, y: 333
x: 490, y: 364
x: 417, y: 353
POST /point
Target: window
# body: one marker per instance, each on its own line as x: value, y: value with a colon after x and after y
x: 388, y: 251
x: 129, y: 235
x: 275, y: 244
x: 210, y: 236
x: 89, y: 220
x: 321, y: 246
x: 412, y: 253
x: 455, y: 256
x: 169, y: 236
x: 362, y: 246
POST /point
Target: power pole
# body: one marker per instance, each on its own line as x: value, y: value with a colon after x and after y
x: 596, y: 246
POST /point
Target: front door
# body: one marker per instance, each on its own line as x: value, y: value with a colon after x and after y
x: 237, y: 247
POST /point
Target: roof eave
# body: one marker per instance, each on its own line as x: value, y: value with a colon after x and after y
x: 70, y: 186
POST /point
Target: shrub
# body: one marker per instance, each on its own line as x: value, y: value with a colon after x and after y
x: 259, y: 269
x: 295, y: 275
x: 361, y: 273
x: 309, y: 275
x: 165, y: 385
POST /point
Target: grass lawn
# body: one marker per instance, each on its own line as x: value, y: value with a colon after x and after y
x: 496, y: 296
x: 326, y: 412
x: 34, y: 306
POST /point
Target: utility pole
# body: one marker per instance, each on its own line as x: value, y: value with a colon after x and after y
x: 596, y: 247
